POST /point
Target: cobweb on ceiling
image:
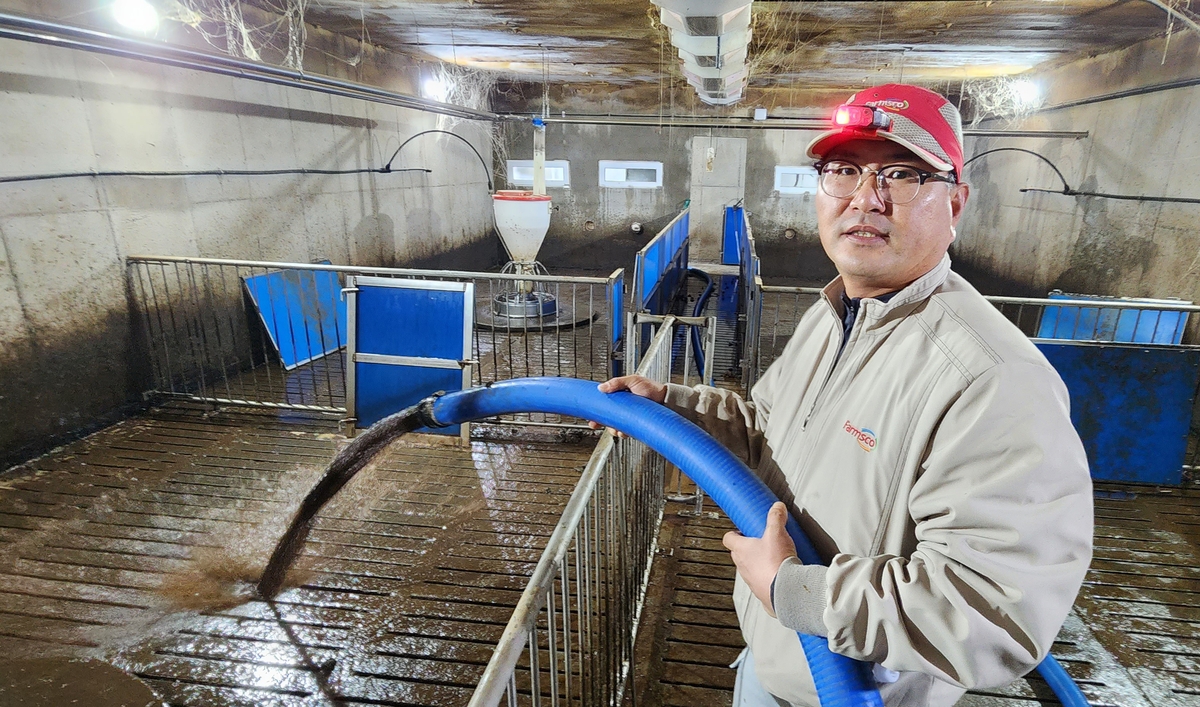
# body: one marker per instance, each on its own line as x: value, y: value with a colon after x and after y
x: 277, y: 28
x: 470, y: 88
x: 1000, y: 97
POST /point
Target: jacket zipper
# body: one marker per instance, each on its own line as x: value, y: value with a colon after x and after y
x: 829, y: 374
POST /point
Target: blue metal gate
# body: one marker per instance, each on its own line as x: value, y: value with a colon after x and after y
x: 408, y: 339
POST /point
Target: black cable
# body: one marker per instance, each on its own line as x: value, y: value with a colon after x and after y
x: 985, y: 153
x: 206, y: 173
x: 697, y: 345
x: 486, y: 170
x: 1068, y: 190
x: 1123, y: 197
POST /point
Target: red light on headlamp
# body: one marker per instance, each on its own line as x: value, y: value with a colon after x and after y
x: 861, y: 118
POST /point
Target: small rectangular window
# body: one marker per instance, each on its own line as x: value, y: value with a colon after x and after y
x: 617, y: 174
x: 558, y: 173
x: 795, y: 180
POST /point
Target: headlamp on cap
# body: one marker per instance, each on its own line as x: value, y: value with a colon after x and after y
x: 861, y: 118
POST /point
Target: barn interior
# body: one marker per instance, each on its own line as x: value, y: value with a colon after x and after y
x: 233, y: 235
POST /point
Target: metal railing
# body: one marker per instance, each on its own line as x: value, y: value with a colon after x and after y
x: 782, y: 308
x: 750, y: 303
x: 205, y: 338
x: 570, y: 639
x: 779, y: 311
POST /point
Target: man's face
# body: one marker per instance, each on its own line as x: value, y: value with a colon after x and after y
x: 880, y: 247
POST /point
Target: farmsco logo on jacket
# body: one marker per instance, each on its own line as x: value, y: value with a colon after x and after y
x: 865, y: 437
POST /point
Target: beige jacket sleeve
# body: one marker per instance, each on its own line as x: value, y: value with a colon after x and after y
x: 729, y: 418
x: 1003, y: 514
x: 735, y: 422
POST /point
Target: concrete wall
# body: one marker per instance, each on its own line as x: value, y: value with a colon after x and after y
x: 65, y: 338
x: 570, y: 244
x: 607, y: 242
x: 1030, y: 243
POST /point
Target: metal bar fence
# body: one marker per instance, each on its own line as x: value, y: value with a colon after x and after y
x: 749, y: 303
x: 570, y: 640
x: 782, y: 308
x: 207, y: 340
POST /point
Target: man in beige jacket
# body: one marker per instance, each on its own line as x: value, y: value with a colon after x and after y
x: 921, y: 440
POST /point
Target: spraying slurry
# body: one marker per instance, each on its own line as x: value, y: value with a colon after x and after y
x: 344, y: 466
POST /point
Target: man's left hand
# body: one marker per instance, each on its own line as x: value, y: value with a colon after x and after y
x: 758, y: 559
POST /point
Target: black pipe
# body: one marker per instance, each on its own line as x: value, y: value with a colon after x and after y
x: 1127, y: 93
x: 1122, y: 197
x: 486, y: 169
x: 206, y: 173
x: 697, y: 346
x: 1068, y: 190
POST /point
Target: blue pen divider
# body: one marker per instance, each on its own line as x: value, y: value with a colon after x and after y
x: 302, y: 312
x: 661, y: 265
x: 1112, y: 324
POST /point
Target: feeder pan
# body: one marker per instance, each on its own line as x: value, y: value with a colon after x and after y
x: 522, y: 219
x: 526, y: 306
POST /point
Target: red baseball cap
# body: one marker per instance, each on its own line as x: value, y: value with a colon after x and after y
x: 917, y: 118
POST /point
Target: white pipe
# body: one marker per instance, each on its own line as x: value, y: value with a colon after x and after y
x: 539, y: 158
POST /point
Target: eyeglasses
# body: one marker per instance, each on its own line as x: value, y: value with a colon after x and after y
x: 897, y: 183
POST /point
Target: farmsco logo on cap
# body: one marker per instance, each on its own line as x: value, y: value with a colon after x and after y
x: 888, y: 103
x: 865, y: 437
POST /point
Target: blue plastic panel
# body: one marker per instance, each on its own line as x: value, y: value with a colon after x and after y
x: 385, y: 389
x: 659, y: 267
x: 1131, y: 405
x: 1142, y: 326
x: 616, y: 305
x: 651, y: 270
x: 398, y: 321
x: 731, y: 243
x: 302, y: 311
x: 406, y: 318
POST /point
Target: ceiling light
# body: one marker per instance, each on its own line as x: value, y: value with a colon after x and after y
x: 436, y: 89
x: 136, y: 15
x: 1026, y: 93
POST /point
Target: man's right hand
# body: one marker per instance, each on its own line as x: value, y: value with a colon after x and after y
x: 638, y: 385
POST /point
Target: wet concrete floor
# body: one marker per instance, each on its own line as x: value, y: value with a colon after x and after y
x: 122, y: 547
x: 408, y: 579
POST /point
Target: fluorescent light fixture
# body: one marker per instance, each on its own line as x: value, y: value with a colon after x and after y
x: 136, y: 15
x: 1026, y: 92
x: 436, y: 89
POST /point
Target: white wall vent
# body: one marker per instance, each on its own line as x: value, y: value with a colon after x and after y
x: 558, y: 173
x: 795, y: 180
x: 618, y: 174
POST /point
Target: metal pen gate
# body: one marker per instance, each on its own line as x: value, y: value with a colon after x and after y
x: 1083, y: 334
x: 570, y: 639
x: 408, y: 339
x: 272, y: 334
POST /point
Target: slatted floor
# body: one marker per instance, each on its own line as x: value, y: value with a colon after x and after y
x: 411, y: 574
x: 414, y: 571
x: 1133, y: 640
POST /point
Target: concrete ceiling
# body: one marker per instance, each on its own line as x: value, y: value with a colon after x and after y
x: 801, y: 53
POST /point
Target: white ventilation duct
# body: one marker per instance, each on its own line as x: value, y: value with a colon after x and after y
x: 712, y: 37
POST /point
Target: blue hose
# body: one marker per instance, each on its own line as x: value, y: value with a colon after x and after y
x: 697, y: 346
x: 1061, y: 683
x: 840, y: 681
